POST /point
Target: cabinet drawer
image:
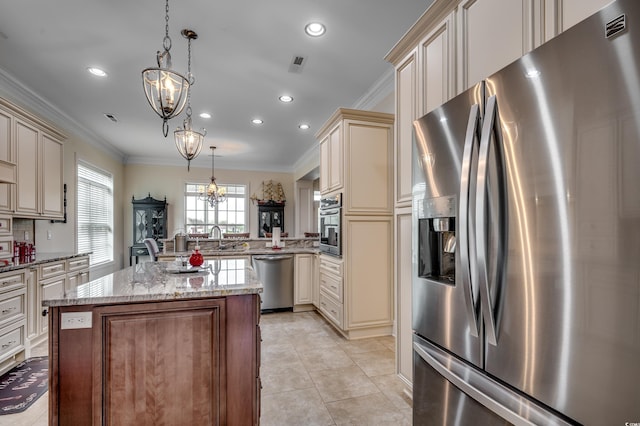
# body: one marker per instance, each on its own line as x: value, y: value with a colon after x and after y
x: 52, y: 269
x: 331, y: 285
x: 11, y: 339
x: 331, y: 265
x: 6, y: 247
x: 77, y: 263
x: 331, y: 309
x: 12, y: 280
x: 6, y: 225
x: 12, y: 307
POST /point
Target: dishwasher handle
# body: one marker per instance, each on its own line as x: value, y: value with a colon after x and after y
x: 273, y: 257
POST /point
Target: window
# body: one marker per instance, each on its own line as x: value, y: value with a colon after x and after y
x: 229, y: 215
x: 95, y: 213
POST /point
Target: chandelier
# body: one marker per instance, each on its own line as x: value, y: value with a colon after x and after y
x: 189, y: 141
x: 212, y: 193
x: 165, y: 89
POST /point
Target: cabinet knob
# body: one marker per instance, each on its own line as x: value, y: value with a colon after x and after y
x: 45, y: 312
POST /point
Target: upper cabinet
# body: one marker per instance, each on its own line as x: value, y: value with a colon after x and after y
x: 331, y: 171
x: 492, y: 34
x: 36, y: 148
x: 356, y: 148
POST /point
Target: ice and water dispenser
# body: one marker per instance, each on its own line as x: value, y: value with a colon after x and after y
x: 437, y: 239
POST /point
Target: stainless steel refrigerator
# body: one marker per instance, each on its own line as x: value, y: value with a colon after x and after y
x: 526, y: 238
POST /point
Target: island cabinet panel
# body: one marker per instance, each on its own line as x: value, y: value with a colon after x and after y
x: 182, y: 362
x: 150, y: 359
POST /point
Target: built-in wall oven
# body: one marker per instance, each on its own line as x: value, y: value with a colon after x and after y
x: 330, y: 220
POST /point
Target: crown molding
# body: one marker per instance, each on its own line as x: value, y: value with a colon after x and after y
x: 378, y: 91
x: 15, y: 91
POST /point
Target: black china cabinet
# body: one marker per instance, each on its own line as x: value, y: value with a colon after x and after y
x: 149, y: 221
x: 270, y: 216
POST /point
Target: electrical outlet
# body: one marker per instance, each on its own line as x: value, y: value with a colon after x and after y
x: 48, y: 234
x: 26, y: 235
x: 74, y: 320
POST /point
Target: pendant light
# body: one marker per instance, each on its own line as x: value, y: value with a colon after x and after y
x: 189, y: 141
x: 165, y: 89
x: 212, y: 193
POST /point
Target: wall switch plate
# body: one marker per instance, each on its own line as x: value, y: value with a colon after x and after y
x: 75, y: 320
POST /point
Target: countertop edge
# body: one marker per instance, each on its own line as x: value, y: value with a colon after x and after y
x: 44, y: 258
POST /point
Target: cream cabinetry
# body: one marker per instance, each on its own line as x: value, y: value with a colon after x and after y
x: 77, y: 272
x: 13, y: 320
x: 51, y: 280
x: 36, y: 148
x: 331, y: 289
x: 305, y: 272
x: 485, y: 47
x: 360, y: 149
x: 7, y: 153
x: 356, y: 291
x: 331, y: 152
x: 563, y: 14
x: 40, y: 176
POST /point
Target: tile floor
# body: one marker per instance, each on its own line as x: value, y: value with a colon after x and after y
x: 310, y: 376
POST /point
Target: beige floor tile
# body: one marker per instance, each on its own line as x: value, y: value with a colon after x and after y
x: 388, y: 341
x: 325, y: 358
x: 300, y: 407
x: 342, y: 383
x: 376, y: 363
x: 363, y: 345
x: 275, y: 380
x: 374, y: 409
x: 394, y: 389
x: 278, y: 354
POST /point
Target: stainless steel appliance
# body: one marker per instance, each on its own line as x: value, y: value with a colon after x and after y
x: 530, y: 179
x: 329, y: 222
x: 276, y: 274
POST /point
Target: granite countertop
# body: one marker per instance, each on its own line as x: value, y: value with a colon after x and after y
x: 43, y: 258
x: 240, y: 252
x: 161, y: 281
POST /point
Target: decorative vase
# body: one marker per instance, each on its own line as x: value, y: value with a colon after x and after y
x: 196, y: 258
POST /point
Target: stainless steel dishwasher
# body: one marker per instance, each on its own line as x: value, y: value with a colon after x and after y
x: 276, y: 274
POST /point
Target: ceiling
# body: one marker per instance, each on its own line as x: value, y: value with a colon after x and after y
x: 241, y: 63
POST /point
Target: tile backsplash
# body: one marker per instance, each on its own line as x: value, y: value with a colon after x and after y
x: 23, y: 230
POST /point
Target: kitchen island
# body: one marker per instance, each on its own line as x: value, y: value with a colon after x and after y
x: 158, y: 344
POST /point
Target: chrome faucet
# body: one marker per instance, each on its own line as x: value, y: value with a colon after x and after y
x: 213, y: 228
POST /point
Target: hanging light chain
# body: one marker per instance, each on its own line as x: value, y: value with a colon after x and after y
x: 166, y: 42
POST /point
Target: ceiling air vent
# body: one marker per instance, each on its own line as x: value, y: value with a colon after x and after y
x: 616, y: 26
x: 111, y: 117
x: 297, y: 63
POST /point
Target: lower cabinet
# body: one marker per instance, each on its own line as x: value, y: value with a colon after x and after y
x: 13, y: 320
x: 305, y: 281
x: 180, y: 362
x: 51, y: 280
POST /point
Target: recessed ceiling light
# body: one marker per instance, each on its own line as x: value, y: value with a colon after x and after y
x: 257, y: 121
x: 97, y: 72
x: 286, y: 98
x: 314, y: 29
x: 304, y: 127
x: 205, y: 115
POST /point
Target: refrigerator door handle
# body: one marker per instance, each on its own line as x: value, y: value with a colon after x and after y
x: 471, y: 138
x: 486, y: 391
x: 490, y: 128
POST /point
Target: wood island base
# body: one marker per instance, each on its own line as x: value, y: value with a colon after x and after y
x: 180, y: 362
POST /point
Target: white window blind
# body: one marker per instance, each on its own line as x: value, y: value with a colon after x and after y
x: 95, y: 213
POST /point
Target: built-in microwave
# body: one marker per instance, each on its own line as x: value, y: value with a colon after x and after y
x: 329, y: 224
